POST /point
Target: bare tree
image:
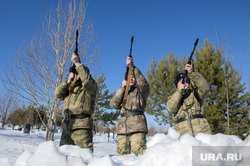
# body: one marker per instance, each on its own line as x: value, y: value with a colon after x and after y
x: 230, y: 77
x: 8, y: 104
x: 228, y: 55
x: 42, y: 64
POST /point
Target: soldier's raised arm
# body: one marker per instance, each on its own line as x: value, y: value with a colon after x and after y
x: 201, y: 83
x: 142, y: 83
x: 62, y: 90
x: 117, y: 98
x: 88, y: 82
x: 174, y: 102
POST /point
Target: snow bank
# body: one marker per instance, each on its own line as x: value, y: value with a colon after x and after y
x: 5, y: 161
x: 162, y: 150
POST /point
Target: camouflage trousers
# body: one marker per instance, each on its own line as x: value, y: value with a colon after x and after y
x: 79, y: 137
x: 198, y: 125
x: 135, y: 142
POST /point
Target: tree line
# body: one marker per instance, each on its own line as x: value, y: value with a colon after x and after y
x: 226, y: 107
x: 42, y: 63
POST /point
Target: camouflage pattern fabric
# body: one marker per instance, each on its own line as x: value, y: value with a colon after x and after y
x: 199, y: 125
x: 82, y: 100
x: 135, y: 143
x: 191, y: 105
x: 79, y: 137
x: 136, y: 101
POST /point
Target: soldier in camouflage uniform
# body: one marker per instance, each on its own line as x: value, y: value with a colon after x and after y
x: 187, y: 103
x: 78, y: 106
x: 132, y: 126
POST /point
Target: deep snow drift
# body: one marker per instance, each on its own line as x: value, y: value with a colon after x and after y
x: 21, y: 149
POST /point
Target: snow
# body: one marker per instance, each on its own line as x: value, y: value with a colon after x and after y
x: 20, y: 149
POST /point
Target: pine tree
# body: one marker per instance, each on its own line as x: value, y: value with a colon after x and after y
x: 28, y: 114
x: 208, y: 63
x: 160, y: 78
x: 226, y: 94
x: 16, y: 117
x: 227, y: 104
x: 102, y: 104
x: 234, y: 102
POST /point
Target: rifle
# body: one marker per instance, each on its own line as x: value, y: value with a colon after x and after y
x: 128, y: 74
x: 73, y: 68
x: 189, y: 62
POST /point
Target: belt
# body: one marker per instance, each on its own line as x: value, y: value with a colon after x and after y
x: 76, y: 116
x: 132, y: 113
x: 190, y: 117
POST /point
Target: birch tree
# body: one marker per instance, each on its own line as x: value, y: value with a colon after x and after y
x: 42, y: 63
x: 8, y: 104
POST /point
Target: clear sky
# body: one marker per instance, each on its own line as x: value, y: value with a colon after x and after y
x: 158, y: 26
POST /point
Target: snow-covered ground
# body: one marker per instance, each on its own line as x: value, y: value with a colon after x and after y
x: 19, y: 149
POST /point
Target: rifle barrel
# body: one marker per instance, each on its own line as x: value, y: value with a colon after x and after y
x: 72, y: 68
x: 132, y: 40
x: 195, y: 44
x: 189, y: 61
x: 76, y: 49
x: 128, y: 76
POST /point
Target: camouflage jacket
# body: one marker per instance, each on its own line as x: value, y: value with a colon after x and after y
x: 136, y: 101
x: 82, y: 100
x: 193, y: 103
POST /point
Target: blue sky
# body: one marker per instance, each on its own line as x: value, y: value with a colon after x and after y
x: 158, y: 26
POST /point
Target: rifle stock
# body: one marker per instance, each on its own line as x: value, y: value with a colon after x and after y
x: 128, y: 75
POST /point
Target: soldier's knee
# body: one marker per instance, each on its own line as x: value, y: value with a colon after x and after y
x: 83, y: 138
x: 139, y: 148
x: 123, y: 145
x: 122, y: 150
x: 66, y: 138
x: 138, y: 143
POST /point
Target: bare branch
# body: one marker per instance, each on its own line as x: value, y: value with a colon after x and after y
x: 42, y: 63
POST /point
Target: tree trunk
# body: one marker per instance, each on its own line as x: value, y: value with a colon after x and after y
x: 50, y: 127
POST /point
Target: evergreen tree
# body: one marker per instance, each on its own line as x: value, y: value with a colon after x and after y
x: 16, y: 117
x: 234, y: 102
x: 36, y: 120
x: 208, y: 63
x: 227, y: 103
x: 109, y: 118
x: 160, y: 78
x: 102, y: 104
x: 24, y: 115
